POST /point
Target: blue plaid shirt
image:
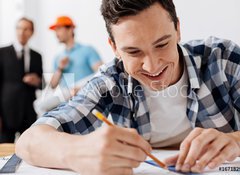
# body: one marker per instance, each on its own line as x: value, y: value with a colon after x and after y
x: 212, y: 98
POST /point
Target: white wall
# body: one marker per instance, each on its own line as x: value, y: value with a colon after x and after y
x: 10, y: 11
x: 202, y: 18
x: 199, y: 19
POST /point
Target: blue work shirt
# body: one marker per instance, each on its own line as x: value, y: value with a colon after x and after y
x: 81, y: 60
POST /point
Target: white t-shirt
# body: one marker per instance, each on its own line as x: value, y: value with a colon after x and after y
x: 168, y: 117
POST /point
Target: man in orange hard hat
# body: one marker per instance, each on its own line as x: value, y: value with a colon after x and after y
x: 77, y: 61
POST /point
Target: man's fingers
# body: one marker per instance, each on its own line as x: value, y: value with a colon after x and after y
x: 122, y: 171
x: 131, y: 137
x: 199, y: 143
x: 171, y: 160
x: 213, y: 150
x: 184, y: 148
x: 64, y: 62
x: 123, y: 142
x: 227, y: 153
x: 127, y: 151
x: 122, y: 162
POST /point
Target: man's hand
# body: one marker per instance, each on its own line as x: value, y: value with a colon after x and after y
x: 205, y: 147
x: 63, y: 63
x: 108, y: 151
x: 32, y: 79
x: 74, y: 91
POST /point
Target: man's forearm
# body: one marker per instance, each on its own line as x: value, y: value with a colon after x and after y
x: 34, y: 149
x: 56, y: 78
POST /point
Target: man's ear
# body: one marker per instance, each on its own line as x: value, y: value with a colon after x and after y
x: 114, y: 48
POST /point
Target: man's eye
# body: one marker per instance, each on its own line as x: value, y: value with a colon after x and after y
x: 134, y: 52
x: 161, y: 45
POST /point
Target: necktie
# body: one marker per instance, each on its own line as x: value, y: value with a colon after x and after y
x: 22, y: 54
x: 22, y: 60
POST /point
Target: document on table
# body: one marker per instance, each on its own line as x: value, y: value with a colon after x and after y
x: 143, y: 169
x: 26, y: 169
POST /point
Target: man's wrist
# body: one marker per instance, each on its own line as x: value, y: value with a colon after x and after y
x: 60, y: 69
x: 236, y: 136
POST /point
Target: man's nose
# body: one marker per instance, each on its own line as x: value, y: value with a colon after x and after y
x: 150, y: 64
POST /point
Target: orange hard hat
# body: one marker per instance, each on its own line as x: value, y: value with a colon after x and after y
x: 62, y: 21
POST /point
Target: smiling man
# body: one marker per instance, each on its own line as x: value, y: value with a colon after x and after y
x: 168, y: 93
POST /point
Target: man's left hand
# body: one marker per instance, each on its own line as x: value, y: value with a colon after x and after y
x: 32, y: 79
x: 205, y: 147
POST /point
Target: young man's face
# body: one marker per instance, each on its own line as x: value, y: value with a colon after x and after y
x: 63, y: 33
x: 147, y: 45
x: 24, y: 31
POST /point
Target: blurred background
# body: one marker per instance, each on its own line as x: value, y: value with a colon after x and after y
x: 198, y: 19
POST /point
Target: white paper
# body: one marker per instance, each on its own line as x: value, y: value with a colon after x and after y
x: 143, y: 169
x: 26, y: 169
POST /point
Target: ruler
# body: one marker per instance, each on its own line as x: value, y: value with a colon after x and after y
x: 12, y: 165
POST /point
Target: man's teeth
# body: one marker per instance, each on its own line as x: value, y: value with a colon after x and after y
x: 154, y: 75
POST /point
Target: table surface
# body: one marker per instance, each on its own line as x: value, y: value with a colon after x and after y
x: 6, y: 149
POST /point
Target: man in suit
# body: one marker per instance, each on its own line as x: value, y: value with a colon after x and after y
x: 20, y: 76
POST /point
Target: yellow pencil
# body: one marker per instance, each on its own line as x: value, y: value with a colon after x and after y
x: 101, y: 117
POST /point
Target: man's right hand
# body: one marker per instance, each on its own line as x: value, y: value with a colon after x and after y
x: 108, y: 151
x: 63, y: 63
x: 58, y: 74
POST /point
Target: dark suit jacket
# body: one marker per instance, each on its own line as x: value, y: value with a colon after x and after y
x: 16, y: 97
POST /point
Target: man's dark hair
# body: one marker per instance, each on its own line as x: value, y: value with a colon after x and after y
x: 113, y: 10
x: 28, y: 20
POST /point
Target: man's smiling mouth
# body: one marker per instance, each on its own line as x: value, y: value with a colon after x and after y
x: 156, y: 76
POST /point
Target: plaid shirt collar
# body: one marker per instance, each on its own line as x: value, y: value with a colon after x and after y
x: 192, y: 68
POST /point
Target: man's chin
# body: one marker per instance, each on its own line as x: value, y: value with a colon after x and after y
x: 156, y: 87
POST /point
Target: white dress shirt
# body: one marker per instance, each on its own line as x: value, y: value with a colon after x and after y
x: 18, y: 48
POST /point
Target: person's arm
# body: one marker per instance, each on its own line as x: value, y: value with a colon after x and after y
x: 58, y: 73
x: 37, y: 146
x: 210, y: 147
x: 35, y: 77
x: 56, y: 78
x: 109, y: 150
